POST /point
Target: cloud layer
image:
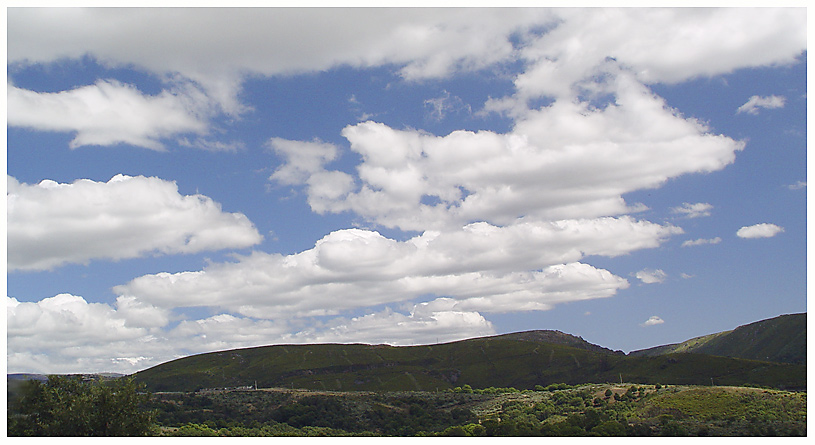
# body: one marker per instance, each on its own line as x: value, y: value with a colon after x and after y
x: 51, y: 224
x: 562, y: 49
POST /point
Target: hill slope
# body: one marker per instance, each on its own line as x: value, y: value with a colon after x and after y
x: 780, y: 339
x: 516, y: 360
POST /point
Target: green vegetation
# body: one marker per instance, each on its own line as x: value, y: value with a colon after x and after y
x: 307, y: 413
x: 583, y: 410
x: 69, y: 406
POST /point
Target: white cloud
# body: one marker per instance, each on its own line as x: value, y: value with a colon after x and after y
x: 65, y: 333
x: 667, y: 45
x: 305, y: 164
x: 696, y: 210
x: 212, y: 50
x: 51, y: 224
x: 565, y: 161
x: 660, y: 44
x: 701, y: 241
x: 427, y: 323
x: 798, y: 185
x: 303, y: 159
x: 525, y: 266
x: 752, y: 106
x: 649, y: 276
x: 215, y: 48
x: 764, y: 230
x: 653, y: 320
x: 107, y: 113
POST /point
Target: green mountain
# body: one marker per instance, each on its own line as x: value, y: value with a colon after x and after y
x: 780, y: 339
x: 520, y: 360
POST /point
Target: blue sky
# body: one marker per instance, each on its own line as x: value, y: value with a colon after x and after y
x: 189, y: 180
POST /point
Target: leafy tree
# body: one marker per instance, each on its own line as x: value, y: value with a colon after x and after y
x: 610, y: 428
x: 68, y: 406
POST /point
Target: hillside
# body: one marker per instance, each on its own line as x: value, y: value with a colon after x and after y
x: 780, y: 339
x: 517, y: 360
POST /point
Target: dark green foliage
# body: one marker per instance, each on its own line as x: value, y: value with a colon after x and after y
x: 395, y: 414
x: 316, y: 411
x: 467, y: 389
x: 69, y: 406
x: 642, y: 411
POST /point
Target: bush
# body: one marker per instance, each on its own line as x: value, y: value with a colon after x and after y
x: 69, y: 406
x: 610, y: 428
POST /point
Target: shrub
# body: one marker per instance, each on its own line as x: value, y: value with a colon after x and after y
x: 69, y: 406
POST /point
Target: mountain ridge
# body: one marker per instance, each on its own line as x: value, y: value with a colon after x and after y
x: 521, y: 360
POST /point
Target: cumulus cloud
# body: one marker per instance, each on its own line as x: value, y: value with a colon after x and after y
x: 530, y: 265
x: 763, y: 230
x: 653, y: 320
x: 66, y: 333
x: 584, y: 159
x: 693, y: 210
x: 305, y: 164
x: 649, y: 276
x: 753, y: 105
x: 701, y: 241
x: 51, y: 224
x: 106, y: 113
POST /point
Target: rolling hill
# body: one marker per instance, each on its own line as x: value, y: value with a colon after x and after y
x: 520, y: 360
x: 780, y: 339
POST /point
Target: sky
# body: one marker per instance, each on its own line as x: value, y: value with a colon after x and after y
x: 186, y: 180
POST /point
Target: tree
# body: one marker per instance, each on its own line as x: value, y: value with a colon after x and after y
x: 69, y: 406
